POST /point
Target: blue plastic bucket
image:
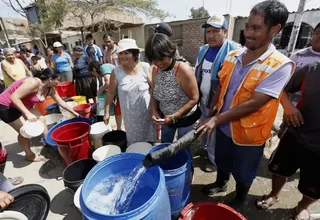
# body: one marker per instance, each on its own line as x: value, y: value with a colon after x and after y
x: 51, y: 142
x: 150, y: 201
x: 53, y: 108
x: 178, y: 175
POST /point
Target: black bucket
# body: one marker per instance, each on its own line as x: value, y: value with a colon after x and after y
x: 32, y: 200
x: 116, y: 137
x: 74, y: 175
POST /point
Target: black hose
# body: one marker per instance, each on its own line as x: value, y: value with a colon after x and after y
x: 156, y: 157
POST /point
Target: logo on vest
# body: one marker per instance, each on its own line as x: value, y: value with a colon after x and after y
x: 257, y: 76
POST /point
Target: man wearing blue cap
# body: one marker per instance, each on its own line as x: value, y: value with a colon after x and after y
x: 209, y: 62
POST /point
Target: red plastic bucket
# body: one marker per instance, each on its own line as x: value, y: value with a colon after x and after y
x: 83, y: 109
x: 66, y: 89
x: 73, y: 141
x: 209, y: 211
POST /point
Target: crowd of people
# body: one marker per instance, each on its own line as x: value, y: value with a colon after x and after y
x: 233, y: 92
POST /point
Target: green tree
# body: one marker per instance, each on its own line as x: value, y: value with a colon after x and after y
x: 50, y: 16
x: 52, y: 13
x: 199, y: 13
x: 97, y: 12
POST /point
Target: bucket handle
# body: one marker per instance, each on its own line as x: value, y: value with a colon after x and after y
x: 185, y: 210
x: 78, y: 145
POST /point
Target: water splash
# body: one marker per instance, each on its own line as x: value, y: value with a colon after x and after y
x: 114, y: 194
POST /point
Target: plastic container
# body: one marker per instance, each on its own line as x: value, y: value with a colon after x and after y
x: 79, y: 99
x: 101, y: 104
x: 32, y: 200
x: 32, y: 129
x: 53, y: 108
x: 117, y: 137
x: 3, y: 158
x: 12, y: 215
x: 51, y: 142
x: 66, y: 89
x: 150, y: 201
x: 105, y: 151
x: 139, y: 147
x: 74, y: 175
x: 41, y: 107
x: 73, y: 141
x: 83, y: 109
x: 66, y: 114
x: 96, y: 133
x: 178, y: 175
x: 53, y: 119
x: 209, y: 210
x: 76, y: 198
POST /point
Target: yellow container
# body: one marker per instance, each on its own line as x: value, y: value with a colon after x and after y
x: 79, y: 99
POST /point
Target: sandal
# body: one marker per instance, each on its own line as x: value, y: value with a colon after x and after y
x: 265, y: 202
x: 16, y: 180
x: 304, y: 215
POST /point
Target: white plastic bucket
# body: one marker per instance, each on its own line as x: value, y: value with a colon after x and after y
x: 32, y: 129
x: 76, y: 198
x: 12, y: 215
x: 139, y: 147
x: 53, y: 119
x: 66, y: 114
x: 105, y: 151
x: 96, y: 133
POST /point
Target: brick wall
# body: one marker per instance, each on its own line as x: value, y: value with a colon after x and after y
x: 192, y: 40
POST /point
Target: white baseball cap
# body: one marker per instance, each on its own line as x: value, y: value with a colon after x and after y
x: 217, y: 21
x: 127, y: 44
x: 57, y: 44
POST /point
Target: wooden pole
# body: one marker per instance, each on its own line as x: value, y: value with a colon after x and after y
x: 296, y: 28
x: 5, y: 32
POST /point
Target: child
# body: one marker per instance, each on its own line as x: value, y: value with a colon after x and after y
x: 105, y: 71
x: 92, y: 51
x: 35, y: 66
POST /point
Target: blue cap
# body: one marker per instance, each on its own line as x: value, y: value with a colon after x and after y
x: 217, y: 21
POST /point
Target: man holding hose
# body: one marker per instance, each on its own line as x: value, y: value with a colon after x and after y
x: 247, y: 100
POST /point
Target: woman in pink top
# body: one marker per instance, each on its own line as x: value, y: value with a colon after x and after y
x: 17, y: 100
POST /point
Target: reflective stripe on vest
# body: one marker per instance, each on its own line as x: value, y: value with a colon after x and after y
x: 254, y: 129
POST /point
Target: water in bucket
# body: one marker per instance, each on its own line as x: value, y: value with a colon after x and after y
x: 114, y: 194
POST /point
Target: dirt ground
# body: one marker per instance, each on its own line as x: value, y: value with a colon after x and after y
x: 48, y: 174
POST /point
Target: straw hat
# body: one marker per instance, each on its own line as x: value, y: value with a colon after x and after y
x: 127, y: 44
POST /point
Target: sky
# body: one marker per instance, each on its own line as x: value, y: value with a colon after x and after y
x: 180, y: 9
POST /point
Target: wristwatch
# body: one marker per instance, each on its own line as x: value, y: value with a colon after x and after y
x: 172, y: 118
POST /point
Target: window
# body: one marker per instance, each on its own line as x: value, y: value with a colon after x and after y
x: 130, y: 33
x: 304, y: 37
x: 176, y: 32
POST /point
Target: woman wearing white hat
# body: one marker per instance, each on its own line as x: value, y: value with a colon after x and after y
x: 133, y: 80
x: 62, y: 62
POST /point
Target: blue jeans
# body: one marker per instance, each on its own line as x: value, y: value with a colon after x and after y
x: 240, y: 161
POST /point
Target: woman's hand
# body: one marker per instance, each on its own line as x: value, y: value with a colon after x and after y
x: 167, y: 120
x: 76, y: 114
x: 155, y: 117
x: 5, y: 199
x: 106, y: 118
x: 31, y: 117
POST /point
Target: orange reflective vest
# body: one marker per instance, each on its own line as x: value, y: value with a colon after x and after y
x: 254, y: 129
